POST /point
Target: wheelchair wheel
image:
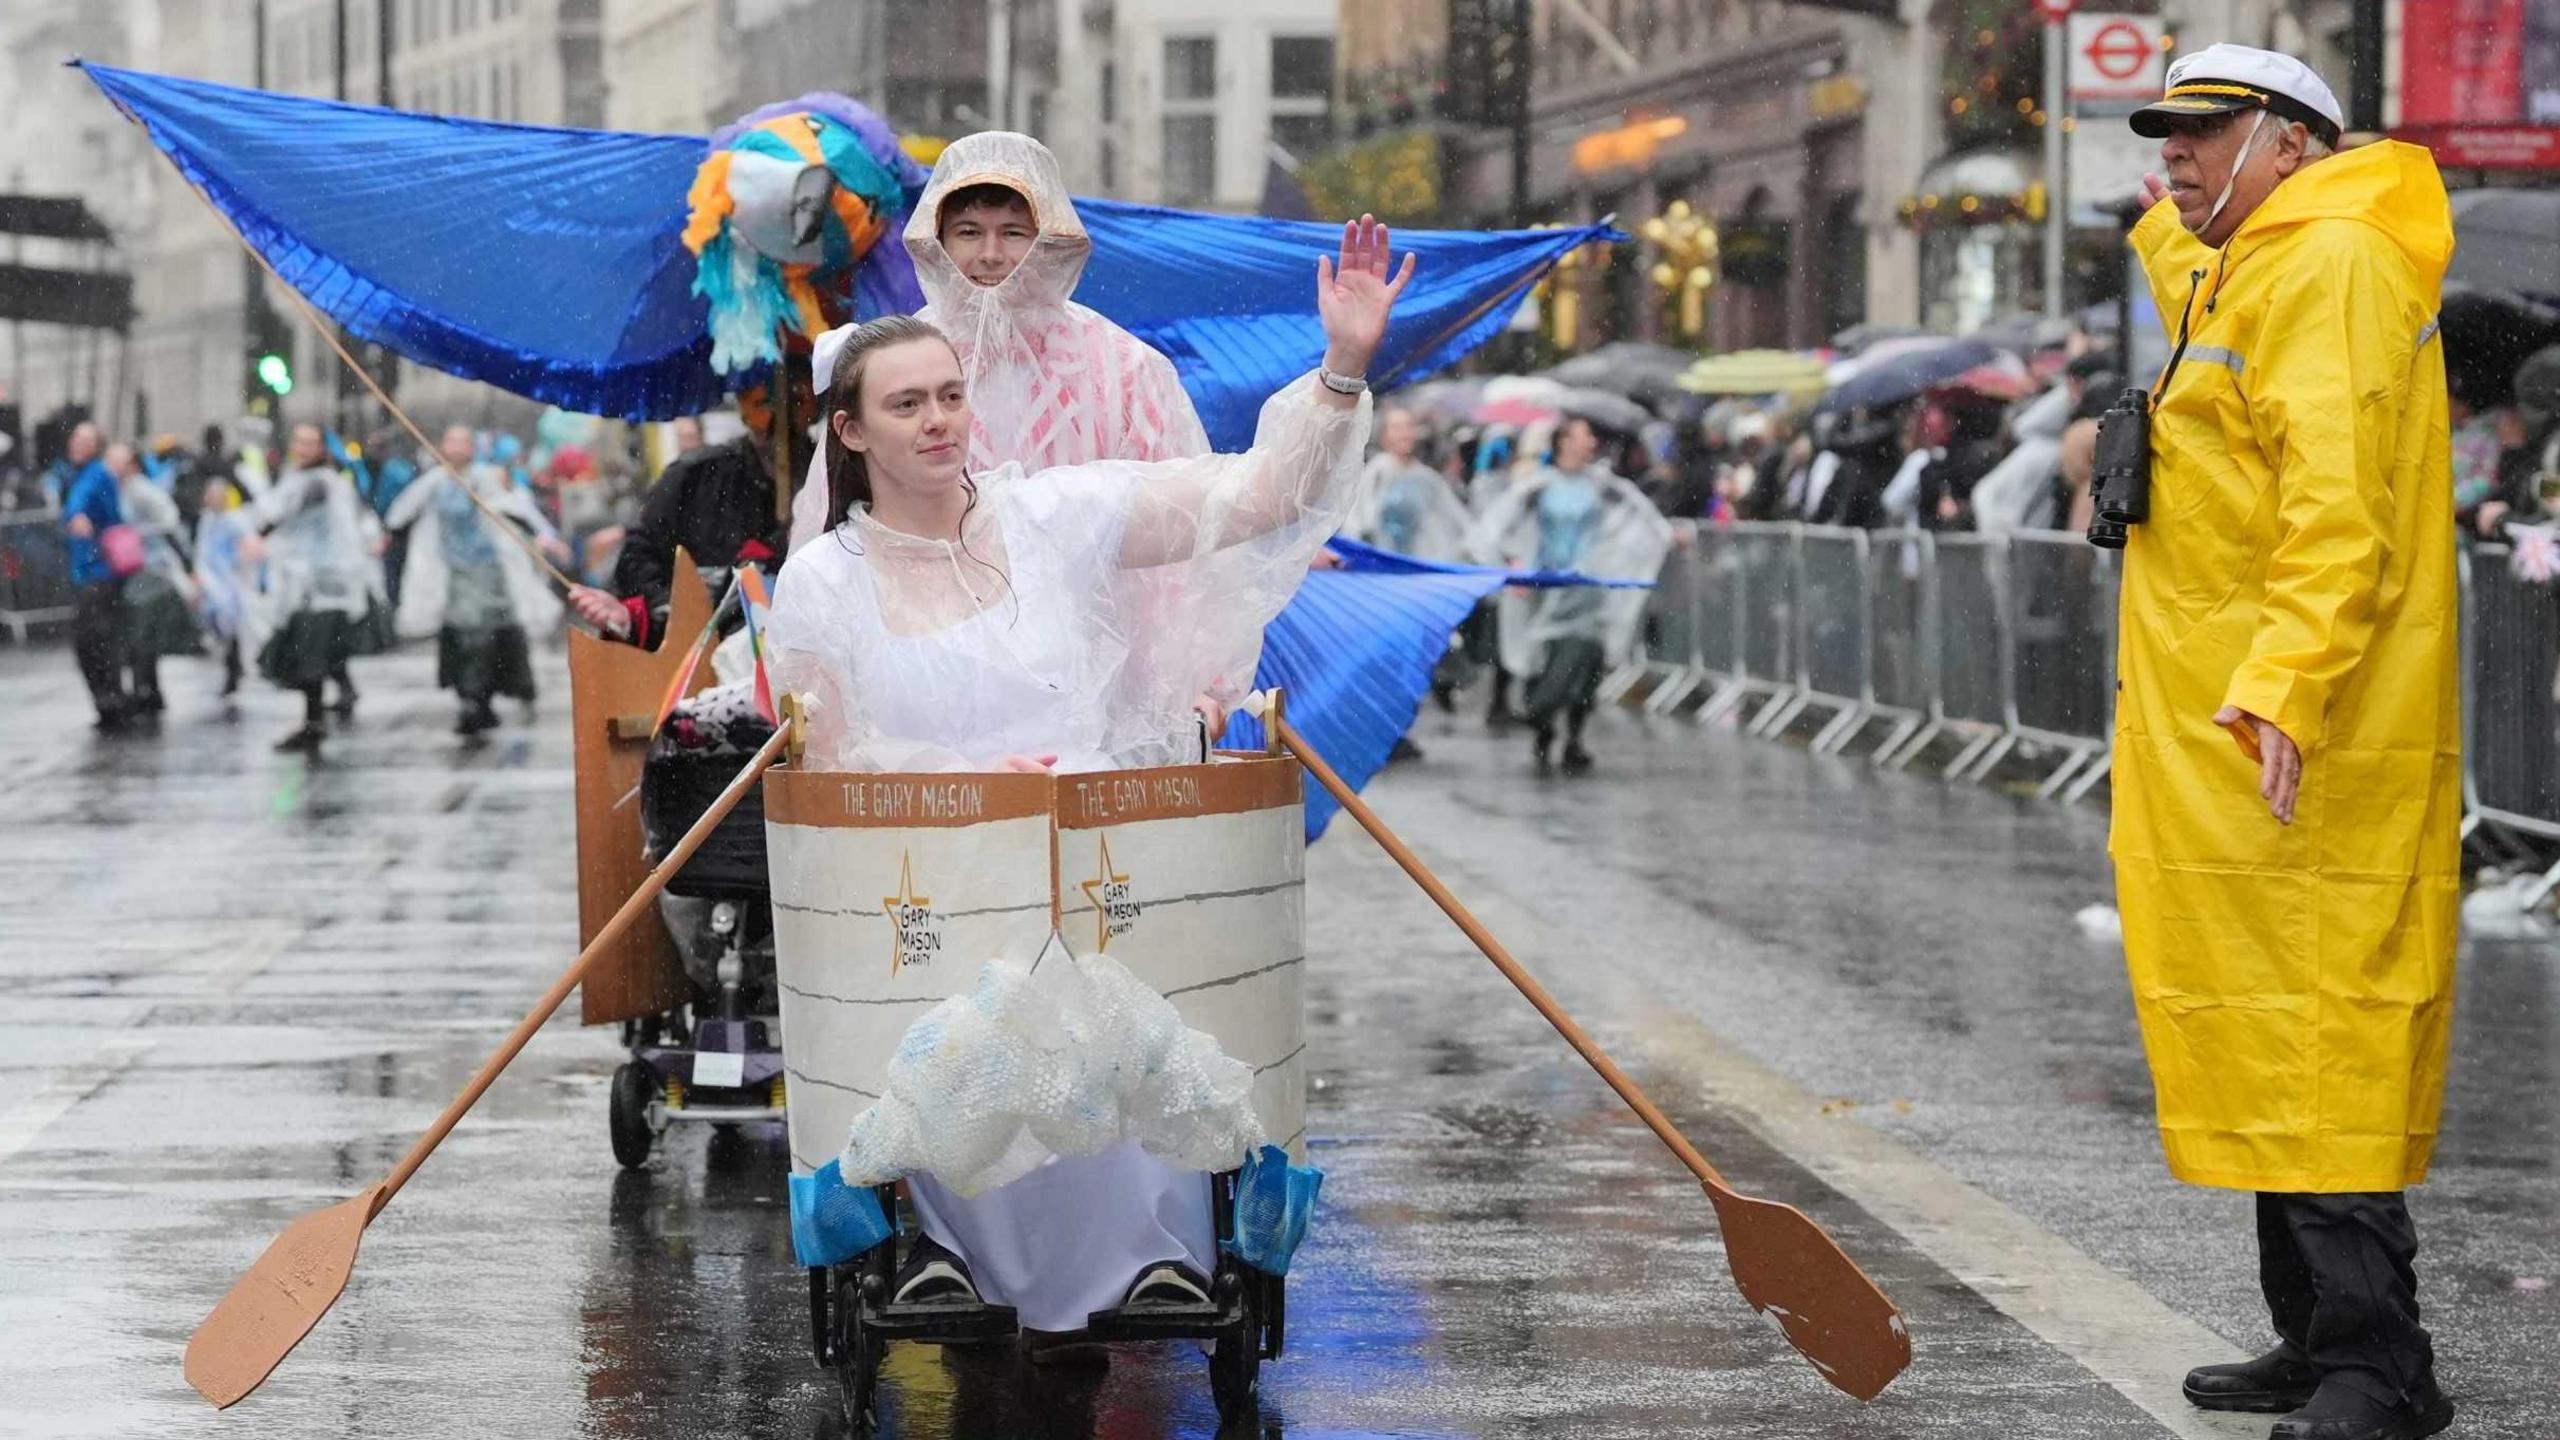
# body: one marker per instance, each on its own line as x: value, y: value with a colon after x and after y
x: 859, y: 1351
x: 627, y: 1115
x: 1235, y: 1367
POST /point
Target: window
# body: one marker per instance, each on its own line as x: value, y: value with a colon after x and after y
x: 1191, y: 68
x: 1301, y: 94
x: 1190, y: 119
x: 1303, y: 136
x: 1110, y: 92
x: 1190, y: 158
x: 1301, y: 67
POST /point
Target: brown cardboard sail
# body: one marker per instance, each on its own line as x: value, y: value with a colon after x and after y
x: 640, y: 975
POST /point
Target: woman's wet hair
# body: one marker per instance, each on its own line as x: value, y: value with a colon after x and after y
x: 848, y: 474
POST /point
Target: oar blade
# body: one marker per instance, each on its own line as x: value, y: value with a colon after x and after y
x: 1800, y: 1280
x: 277, y: 1302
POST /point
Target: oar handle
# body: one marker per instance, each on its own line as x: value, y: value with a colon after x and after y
x: 613, y: 929
x: 1589, y: 1049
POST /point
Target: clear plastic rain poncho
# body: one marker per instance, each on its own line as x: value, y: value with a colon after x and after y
x: 1050, y: 382
x: 319, y: 545
x: 1593, y: 522
x: 1406, y: 506
x: 461, y: 572
x: 1041, y: 631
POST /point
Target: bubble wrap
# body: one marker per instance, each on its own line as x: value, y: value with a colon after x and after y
x: 1064, y: 1057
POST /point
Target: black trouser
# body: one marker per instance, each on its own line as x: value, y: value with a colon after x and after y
x: 2340, y: 1276
x: 97, y: 642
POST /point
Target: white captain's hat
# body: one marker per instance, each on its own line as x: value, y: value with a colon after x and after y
x: 2226, y: 79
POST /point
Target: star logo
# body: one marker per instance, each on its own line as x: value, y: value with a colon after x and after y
x: 914, y: 936
x: 1115, y: 910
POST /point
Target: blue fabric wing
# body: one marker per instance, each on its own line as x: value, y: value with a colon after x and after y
x: 1230, y: 298
x: 549, y: 261
x: 1353, y: 655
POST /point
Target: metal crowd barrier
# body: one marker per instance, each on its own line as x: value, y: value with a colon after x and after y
x: 1993, y: 642
x: 2510, y: 721
x: 2006, y: 645
x: 35, y: 573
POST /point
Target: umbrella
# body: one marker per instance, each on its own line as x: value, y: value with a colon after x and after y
x: 1755, y: 372
x: 1451, y: 399
x: 1607, y: 411
x: 1889, y: 382
x: 1633, y: 368
x: 1519, y: 400
x: 2487, y: 336
x: 2507, y: 240
x: 1859, y: 337
x: 2006, y: 377
x: 1512, y: 412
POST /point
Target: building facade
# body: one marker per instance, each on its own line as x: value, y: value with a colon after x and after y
x: 1168, y: 102
x: 185, y: 363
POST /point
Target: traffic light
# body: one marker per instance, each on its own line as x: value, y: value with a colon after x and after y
x: 269, y: 352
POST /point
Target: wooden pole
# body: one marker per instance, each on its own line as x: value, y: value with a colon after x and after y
x: 1536, y: 993
x: 622, y: 920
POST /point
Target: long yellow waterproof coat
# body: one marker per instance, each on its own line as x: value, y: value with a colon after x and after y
x: 2295, y: 984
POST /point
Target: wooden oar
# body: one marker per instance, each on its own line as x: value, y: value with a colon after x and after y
x: 302, y: 1272
x: 1787, y: 1267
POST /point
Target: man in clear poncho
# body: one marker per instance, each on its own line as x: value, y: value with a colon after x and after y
x: 952, y: 617
x: 1575, y: 515
x: 998, y: 251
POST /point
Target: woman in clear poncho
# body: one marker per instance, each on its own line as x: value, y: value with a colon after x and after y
x: 951, y: 619
x: 1576, y: 515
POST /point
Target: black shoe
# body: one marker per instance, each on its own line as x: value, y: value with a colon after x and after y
x: 1404, y: 750
x: 344, y: 707
x: 1540, y: 743
x: 115, y: 720
x: 2342, y: 1411
x: 1500, y: 720
x: 934, y: 1276
x: 2272, y: 1384
x: 149, y: 702
x: 476, y: 719
x: 1577, y: 761
x: 307, y: 738
x: 1446, y: 698
x: 1169, y: 1286
x: 230, y: 683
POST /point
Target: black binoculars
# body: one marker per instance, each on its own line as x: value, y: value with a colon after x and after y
x: 2121, y: 484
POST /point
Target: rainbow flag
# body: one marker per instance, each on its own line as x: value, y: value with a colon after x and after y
x: 682, y: 684
x: 754, y: 599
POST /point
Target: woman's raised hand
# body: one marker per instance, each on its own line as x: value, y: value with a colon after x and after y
x: 1354, y: 295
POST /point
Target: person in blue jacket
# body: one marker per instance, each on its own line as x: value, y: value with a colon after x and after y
x: 89, y: 508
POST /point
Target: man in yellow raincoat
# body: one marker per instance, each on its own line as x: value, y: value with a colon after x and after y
x: 2287, y: 744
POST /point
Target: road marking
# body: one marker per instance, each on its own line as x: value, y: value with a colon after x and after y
x: 234, y: 964
x: 52, y: 1100
x: 2119, y: 1332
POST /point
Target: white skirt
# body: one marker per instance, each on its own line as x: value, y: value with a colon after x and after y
x: 1068, y: 1238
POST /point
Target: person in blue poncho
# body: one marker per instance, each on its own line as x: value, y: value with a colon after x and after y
x: 90, y: 508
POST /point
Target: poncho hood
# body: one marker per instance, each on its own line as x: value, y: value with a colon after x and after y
x: 1040, y: 287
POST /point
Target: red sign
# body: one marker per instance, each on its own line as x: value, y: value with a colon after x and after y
x: 2119, y: 51
x: 2057, y: 11
x: 2489, y: 147
x: 2462, y: 60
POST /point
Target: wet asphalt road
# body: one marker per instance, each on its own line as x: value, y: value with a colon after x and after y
x: 233, y: 987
